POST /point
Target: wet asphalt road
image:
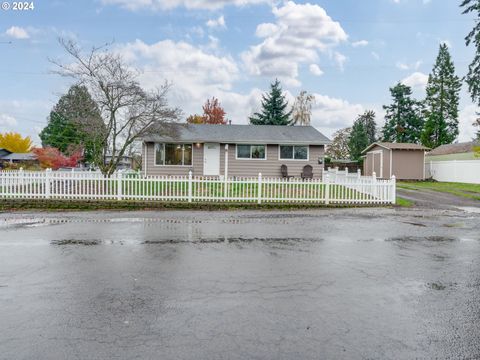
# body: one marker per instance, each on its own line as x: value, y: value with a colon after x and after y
x: 324, y: 284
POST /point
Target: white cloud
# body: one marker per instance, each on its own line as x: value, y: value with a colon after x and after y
x: 331, y: 114
x: 360, y: 43
x: 375, y: 55
x: 300, y: 34
x: 340, y: 60
x: 315, y: 70
x: 404, y: 66
x: 17, y: 32
x: 466, y: 118
x: 217, y: 23
x: 188, y: 4
x: 7, y: 121
x: 416, y: 80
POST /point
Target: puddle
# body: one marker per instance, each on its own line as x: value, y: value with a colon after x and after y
x: 225, y: 239
x: 419, y: 238
x: 76, y: 242
x: 470, y: 209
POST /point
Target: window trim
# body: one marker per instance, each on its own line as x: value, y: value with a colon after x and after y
x: 293, y: 146
x: 251, y: 159
x: 183, y: 155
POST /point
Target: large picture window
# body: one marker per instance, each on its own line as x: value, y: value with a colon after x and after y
x: 293, y: 152
x: 256, y: 152
x: 173, y: 154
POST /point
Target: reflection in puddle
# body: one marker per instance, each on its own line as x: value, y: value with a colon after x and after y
x: 420, y: 238
x: 76, y: 242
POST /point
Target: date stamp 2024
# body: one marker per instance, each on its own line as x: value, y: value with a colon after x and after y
x: 18, y: 5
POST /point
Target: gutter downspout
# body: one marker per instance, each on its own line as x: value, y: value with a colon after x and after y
x: 146, y: 158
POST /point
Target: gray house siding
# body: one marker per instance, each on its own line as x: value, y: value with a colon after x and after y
x: 270, y: 167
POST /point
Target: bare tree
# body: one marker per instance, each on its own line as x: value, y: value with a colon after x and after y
x: 129, y: 111
x: 302, y: 108
x: 339, y: 148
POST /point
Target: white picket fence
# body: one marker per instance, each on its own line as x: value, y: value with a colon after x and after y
x: 336, y: 187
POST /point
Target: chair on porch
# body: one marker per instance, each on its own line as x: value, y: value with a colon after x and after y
x: 307, y: 172
x: 284, y: 171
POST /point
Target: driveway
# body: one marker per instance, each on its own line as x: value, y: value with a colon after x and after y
x: 328, y: 284
x: 430, y: 199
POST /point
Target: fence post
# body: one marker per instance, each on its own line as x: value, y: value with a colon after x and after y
x: 47, y: 182
x: 259, y: 188
x: 119, y: 186
x: 394, y: 189
x: 22, y: 175
x: 327, y: 189
x: 373, y: 191
x: 190, y: 186
x: 346, y: 172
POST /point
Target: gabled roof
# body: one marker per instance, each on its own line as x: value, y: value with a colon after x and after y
x: 19, y: 157
x: 247, y: 134
x: 458, y: 148
x: 4, y: 152
x: 396, y: 146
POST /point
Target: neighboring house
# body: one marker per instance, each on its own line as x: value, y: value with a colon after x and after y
x: 405, y: 161
x: 4, y: 152
x: 459, y: 151
x: 7, y: 156
x: 125, y: 162
x: 239, y: 150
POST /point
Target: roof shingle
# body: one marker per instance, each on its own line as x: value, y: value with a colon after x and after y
x: 248, y: 134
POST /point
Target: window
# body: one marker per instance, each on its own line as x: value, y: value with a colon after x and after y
x: 256, y: 152
x: 173, y: 154
x: 293, y: 152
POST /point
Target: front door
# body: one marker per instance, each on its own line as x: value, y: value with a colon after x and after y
x: 211, y: 159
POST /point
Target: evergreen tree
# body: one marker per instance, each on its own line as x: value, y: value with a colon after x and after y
x: 76, y: 120
x: 60, y: 133
x: 473, y: 77
x: 443, y: 88
x: 274, y: 108
x: 358, y: 140
x: 368, y: 120
x: 403, y: 119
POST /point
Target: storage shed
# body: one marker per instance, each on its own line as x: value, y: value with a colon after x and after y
x: 405, y: 161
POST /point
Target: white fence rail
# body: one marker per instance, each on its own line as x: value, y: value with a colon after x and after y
x: 334, y: 188
x: 464, y: 171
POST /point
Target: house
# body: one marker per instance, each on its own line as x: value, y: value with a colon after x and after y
x: 10, y: 157
x: 125, y: 162
x: 405, y: 161
x: 459, y: 151
x: 235, y: 150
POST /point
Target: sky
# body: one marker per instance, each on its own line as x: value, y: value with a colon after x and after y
x: 348, y: 53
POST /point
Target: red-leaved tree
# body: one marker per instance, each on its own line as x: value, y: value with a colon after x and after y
x: 50, y: 157
x: 213, y: 113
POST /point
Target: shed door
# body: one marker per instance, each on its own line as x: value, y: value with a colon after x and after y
x: 377, y: 163
x: 211, y: 159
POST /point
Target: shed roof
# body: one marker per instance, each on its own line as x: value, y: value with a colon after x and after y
x: 396, y: 146
x: 247, y: 134
x: 459, y: 148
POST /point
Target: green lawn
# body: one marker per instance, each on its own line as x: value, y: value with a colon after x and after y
x: 403, y: 202
x: 471, y: 191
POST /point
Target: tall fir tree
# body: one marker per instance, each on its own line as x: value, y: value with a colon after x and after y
x: 274, y: 108
x: 473, y: 76
x: 358, y: 140
x: 76, y: 120
x: 60, y: 133
x: 441, y: 102
x: 403, y: 119
x: 368, y: 120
